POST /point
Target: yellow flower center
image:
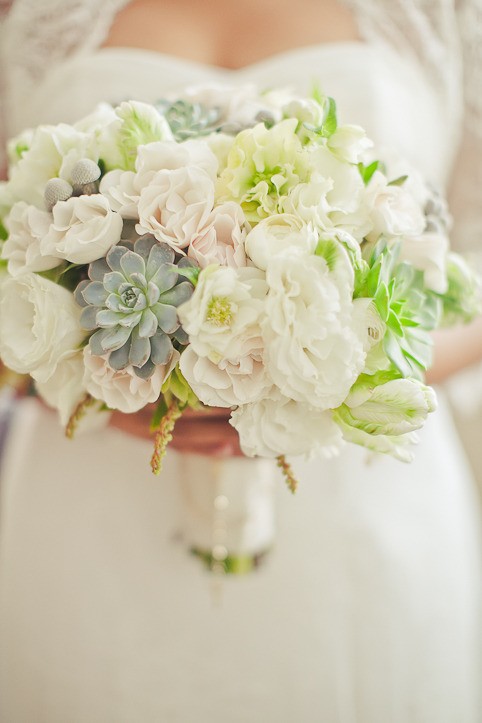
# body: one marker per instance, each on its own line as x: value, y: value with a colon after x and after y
x: 219, y: 311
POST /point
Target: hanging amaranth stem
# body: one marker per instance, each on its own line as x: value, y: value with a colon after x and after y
x: 79, y: 412
x: 163, y: 435
x: 288, y: 473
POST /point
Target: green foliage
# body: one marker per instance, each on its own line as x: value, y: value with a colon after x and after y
x: 404, y: 305
x: 366, y: 172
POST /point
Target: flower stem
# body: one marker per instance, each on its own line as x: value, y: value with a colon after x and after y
x: 163, y: 435
x: 79, y: 412
x: 288, y: 473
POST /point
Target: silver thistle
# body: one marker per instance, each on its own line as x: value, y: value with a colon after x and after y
x: 130, y: 302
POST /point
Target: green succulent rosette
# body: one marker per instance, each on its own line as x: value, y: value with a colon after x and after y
x: 130, y: 302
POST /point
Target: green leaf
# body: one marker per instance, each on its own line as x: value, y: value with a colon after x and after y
x: 398, y: 181
x: 328, y: 249
x: 382, y: 300
x: 330, y: 123
x: 159, y: 413
x: 191, y: 273
x: 366, y: 172
x: 394, y: 324
x: 3, y: 232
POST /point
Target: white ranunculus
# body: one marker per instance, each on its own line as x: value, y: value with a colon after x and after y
x: 347, y: 190
x: 227, y: 384
x: 428, y: 253
x: 124, y: 390
x: 277, y: 425
x: 223, y: 240
x: 313, y: 347
x: 176, y: 205
x: 53, y: 152
x: 83, y: 229
x: 26, y: 226
x: 308, y: 201
x: 39, y: 325
x: 64, y: 389
x: 394, y: 211
x: 277, y: 233
x: 349, y: 143
x: 222, y: 317
x: 119, y: 189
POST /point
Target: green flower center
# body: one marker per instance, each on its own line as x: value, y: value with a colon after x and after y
x: 129, y: 297
x: 219, y: 311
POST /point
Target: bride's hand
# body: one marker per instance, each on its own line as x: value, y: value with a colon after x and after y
x: 204, y: 432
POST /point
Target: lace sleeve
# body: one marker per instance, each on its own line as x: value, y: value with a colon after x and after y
x: 38, y: 34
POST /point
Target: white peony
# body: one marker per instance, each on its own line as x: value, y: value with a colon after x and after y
x: 277, y: 425
x: 64, y: 389
x: 124, y: 390
x: 83, y: 229
x: 176, y: 205
x: 171, y: 156
x: 229, y: 383
x: 222, y: 242
x: 277, y: 233
x: 39, y: 325
x: 313, y: 347
x: 222, y: 317
x: 26, y: 226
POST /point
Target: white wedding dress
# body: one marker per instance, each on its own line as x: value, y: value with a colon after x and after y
x: 365, y: 611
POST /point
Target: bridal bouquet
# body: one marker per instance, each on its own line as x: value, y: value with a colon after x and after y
x: 227, y: 249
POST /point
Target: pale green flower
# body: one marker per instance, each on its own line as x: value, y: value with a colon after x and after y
x: 380, y: 406
x: 263, y: 165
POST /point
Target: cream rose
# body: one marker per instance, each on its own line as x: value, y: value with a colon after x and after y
x: 176, y: 205
x: 229, y: 383
x: 124, y: 390
x: 223, y: 241
x: 83, y: 229
x: 39, y: 325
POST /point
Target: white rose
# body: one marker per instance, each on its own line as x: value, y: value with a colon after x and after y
x: 64, y: 389
x: 313, y: 349
x: 277, y: 233
x: 176, y: 205
x: 428, y: 253
x: 277, y: 425
x: 222, y: 317
x: 39, y: 325
x: 124, y: 390
x: 26, y: 226
x: 229, y: 383
x: 83, y: 229
x: 394, y: 210
x: 119, y: 189
x: 171, y: 156
x: 223, y: 240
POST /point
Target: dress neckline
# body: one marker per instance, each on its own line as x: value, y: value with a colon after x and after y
x: 336, y: 47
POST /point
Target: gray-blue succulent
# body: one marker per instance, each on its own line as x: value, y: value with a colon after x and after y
x: 130, y: 302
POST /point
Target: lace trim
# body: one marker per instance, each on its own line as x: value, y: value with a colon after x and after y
x: 38, y: 34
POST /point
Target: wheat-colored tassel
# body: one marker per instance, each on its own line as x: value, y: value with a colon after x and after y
x: 164, y: 435
x: 288, y: 473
